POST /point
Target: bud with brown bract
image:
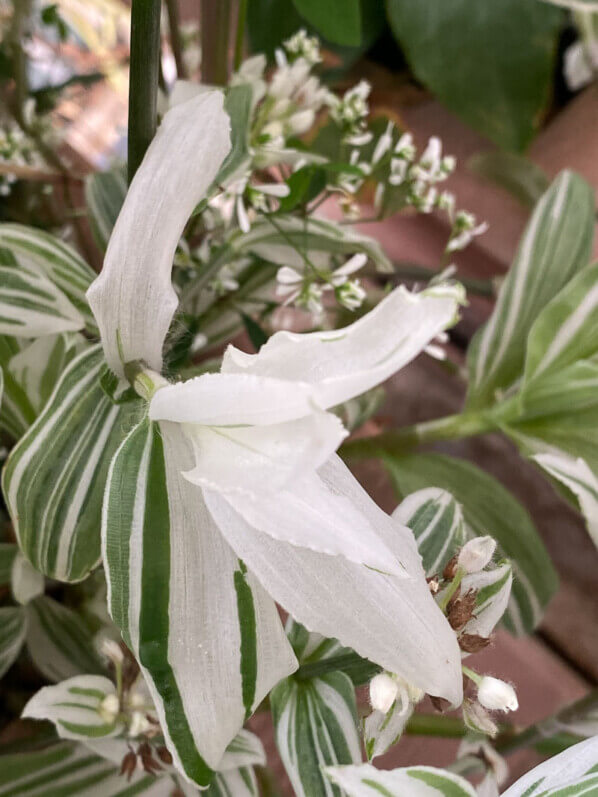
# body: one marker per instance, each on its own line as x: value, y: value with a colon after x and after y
x: 460, y: 609
x: 472, y: 643
x: 129, y: 765
x: 164, y: 755
x: 450, y: 569
x: 150, y: 765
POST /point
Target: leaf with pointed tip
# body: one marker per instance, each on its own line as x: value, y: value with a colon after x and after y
x: 366, y: 781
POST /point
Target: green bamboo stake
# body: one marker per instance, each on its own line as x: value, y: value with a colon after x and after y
x: 215, y: 31
x: 143, y: 79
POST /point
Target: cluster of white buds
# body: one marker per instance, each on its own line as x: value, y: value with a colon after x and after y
x: 350, y: 113
x: 386, y: 688
x: 16, y: 149
x: 301, y: 45
x: 242, y: 200
x: 305, y: 289
x: 465, y: 229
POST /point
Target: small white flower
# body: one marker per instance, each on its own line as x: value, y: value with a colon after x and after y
x: 109, y: 708
x: 110, y: 649
x: 353, y: 264
x: 405, y: 148
x: 497, y: 695
x: 476, y: 554
x: 384, y: 690
x: 351, y: 295
x: 383, y: 144
x: 139, y: 724
x: 304, y: 46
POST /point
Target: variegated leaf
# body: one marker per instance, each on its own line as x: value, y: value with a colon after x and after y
x: 8, y: 551
x: 185, y: 605
x: 291, y: 239
x: 366, y: 781
x: 245, y: 750
x: 37, y: 252
x: 68, y: 768
x: 488, y: 508
x: 75, y: 706
x: 58, y: 641
x: 13, y: 627
x: 315, y: 720
x: 16, y: 411
x: 437, y: 523
x: 104, y: 194
x: 555, y: 246
x: 493, y: 592
x: 381, y: 731
x: 54, y: 478
x: 233, y: 783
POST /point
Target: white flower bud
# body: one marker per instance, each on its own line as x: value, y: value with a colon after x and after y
x: 383, y: 692
x: 496, y: 695
x: 109, y: 708
x: 139, y: 724
x: 476, y: 554
x: 110, y: 649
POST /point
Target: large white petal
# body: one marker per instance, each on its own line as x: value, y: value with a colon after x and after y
x: 341, y: 364
x: 262, y: 459
x: 133, y: 299
x: 391, y: 621
x: 312, y: 513
x: 232, y: 400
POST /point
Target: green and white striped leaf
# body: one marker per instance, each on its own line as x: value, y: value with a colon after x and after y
x: 381, y: 731
x: 234, y: 783
x: 436, y: 520
x: 16, y: 411
x: 31, y: 305
x: 13, y: 627
x: 556, y: 245
x: 75, y: 707
x: 39, y: 365
x: 104, y: 194
x: 26, y: 582
x: 185, y: 605
x: 59, y: 642
x: 571, y: 390
x: 316, y: 724
x: 37, y: 252
x: 494, y: 590
x: 54, y: 478
x: 293, y: 238
x: 566, y: 330
x: 570, y: 774
x: 366, y: 781
x: 245, y: 750
x: 68, y: 768
x: 8, y: 551
x: 488, y: 508
x: 583, y: 483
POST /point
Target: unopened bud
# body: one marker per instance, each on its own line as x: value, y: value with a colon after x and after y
x: 111, y: 650
x: 109, y: 708
x: 476, y: 554
x: 383, y: 692
x: 477, y: 718
x: 496, y: 695
x: 139, y: 724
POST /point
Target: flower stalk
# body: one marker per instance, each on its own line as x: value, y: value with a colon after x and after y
x: 215, y: 27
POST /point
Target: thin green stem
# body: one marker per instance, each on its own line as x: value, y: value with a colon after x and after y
x: 452, y: 588
x: 436, y: 725
x: 176, y: 40
x: 215, y: 27
x: 143, y: 79
x: 240, y: 36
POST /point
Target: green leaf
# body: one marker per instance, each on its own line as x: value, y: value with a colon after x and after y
x: 54, y: 478
x: 339, y: 21
x: 104, y: 194
x: 255, y: 332
x: 315, y: 719
x: 177, y: 626
x: 556, y: 245
x: 13, y: 627
x: 565, y: 331
x: 366, y: 781
x: 503, y: 85
x: 488, y: 508
x: 39, y: 253
x: 16, y: 412
x: 304, y: 185
x: 69, y: 769
x: 289, y: 240
x: 517, y: 174
x: 8, y: 551
x: 270, y: 22
x: 237, y: 104
x: 59, y: 642
x: 436, y: 520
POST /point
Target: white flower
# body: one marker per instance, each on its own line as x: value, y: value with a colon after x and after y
x: 139, y: 724
x: 109, y: 708
x: 580, y: 63
x: 497, y: 695
x: 476, y: 554
x: 384, y: 690
x: 351, y: 295
x: 308, y: 47
x: 383, y: 144
x: 254, y: 501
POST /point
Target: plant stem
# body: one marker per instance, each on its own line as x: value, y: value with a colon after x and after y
x: 143, y: 79
x: 435, y: 725
x: 176, y: 41
x: 215, y: 26
x: 452, y: 588
x: 402, y: 441
x: 240, y: 37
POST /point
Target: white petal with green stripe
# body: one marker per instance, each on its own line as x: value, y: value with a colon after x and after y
x: 556, y: 245
x: 233, y: 783
x: 104, y: 194
x: 54, y: 478
x: 366, y: 781
x: 76, y: 707
x: 13, y: 628
x: 67, y: 768
x: 570, y: 774
x: 381, y: 731
x: 31, y: 305
x: 493, y: 592
x: 436, y: 520
x: 207, y: 637
x: 38, y: 252
x: 488, y: 508
x: 59, y: 642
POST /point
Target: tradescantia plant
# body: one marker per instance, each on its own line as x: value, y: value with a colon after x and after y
x: 169, y: 496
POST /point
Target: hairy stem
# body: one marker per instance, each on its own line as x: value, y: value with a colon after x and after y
x: 143, y: 80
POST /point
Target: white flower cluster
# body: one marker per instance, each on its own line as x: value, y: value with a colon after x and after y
x: 306, y: 289
x: 16, y: 149
x: 350, y: 112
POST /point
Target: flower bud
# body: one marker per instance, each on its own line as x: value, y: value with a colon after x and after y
x: 383, y: 692
x: 139, y: 724
x: 109, y: 708
x: 110, y: 649
x: 496, y: 695
x: 476, y: 554
x: 477, y: 718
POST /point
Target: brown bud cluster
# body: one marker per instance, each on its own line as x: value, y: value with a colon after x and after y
x: 460, y: 609
x: 145, y: 754
x: 472, y: 643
